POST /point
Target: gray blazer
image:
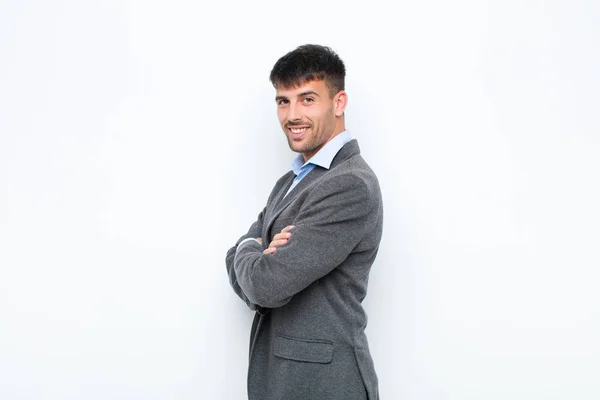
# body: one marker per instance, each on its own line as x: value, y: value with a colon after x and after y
x: 308, y: 340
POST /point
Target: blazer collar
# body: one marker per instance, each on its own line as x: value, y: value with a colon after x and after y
x: 348, y: 150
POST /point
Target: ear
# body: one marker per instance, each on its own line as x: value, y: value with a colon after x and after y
x: 340, y: 101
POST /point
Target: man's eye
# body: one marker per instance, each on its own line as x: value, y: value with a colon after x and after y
x: 308, y: 99
x: 282, y: 102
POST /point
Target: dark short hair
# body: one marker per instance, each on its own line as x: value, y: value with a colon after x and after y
x: 308, y: 63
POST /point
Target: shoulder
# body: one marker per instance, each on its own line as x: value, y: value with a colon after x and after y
x: 355, y: 170
x: 349, y: 161
x: 353, y: 178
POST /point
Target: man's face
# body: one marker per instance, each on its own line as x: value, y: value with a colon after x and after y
x: 309, y: 116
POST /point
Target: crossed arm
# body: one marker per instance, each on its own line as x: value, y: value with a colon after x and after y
x: 279, y: 239
x: 325, y: 232
x: 253, y: 232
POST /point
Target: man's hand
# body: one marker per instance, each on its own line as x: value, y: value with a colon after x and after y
x: 279, y: 240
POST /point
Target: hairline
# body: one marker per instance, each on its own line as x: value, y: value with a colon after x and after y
x: 301, y: 82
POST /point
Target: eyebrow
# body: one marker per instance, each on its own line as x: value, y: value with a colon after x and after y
x: 307, y: 93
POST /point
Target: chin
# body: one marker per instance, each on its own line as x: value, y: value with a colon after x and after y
x: 296, y: 146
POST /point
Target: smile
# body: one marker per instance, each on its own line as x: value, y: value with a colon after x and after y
x: 298, y: 130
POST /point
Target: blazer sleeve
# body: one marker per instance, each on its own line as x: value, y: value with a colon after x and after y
x: 330, y: 224
x: 255, y: 231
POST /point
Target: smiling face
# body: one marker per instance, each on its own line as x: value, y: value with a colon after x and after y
x: 309, y: 116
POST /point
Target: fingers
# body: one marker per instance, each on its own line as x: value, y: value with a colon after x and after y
x: 279, y: 240
x: 287, y: 228
x: 273, y: 246
x: 281, y: 236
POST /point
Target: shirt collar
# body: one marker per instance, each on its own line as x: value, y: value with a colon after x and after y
x: 325, y: 156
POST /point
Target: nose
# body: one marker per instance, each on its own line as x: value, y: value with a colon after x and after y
x: 294, y: 113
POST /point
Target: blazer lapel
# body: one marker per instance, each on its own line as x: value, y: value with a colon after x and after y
x: 281, y: 193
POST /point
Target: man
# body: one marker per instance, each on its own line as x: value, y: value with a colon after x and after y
x: 304, y: 264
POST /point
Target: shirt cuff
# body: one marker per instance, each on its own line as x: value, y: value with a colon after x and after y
x: 246, y: 240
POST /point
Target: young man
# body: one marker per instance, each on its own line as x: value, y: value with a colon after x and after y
x: 303, y: 266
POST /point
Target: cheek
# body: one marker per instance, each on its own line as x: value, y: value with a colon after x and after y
x: 314, y: 114
x: 281, y: 114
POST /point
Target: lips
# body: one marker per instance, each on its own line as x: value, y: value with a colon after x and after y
x: 297, y: 132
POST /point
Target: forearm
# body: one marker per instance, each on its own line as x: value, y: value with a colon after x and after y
x: 229, y: 260
x: 252, y: 233
x: 250, y: 274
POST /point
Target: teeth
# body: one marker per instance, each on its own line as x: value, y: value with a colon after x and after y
x: 297, y: 130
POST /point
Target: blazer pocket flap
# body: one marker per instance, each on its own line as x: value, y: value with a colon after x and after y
x: 307, y: 350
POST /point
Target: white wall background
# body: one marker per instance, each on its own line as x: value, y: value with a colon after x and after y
x: 138, y: 140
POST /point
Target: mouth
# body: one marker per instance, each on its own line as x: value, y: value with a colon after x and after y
x: 297, y: 133
x: 297, y: 130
